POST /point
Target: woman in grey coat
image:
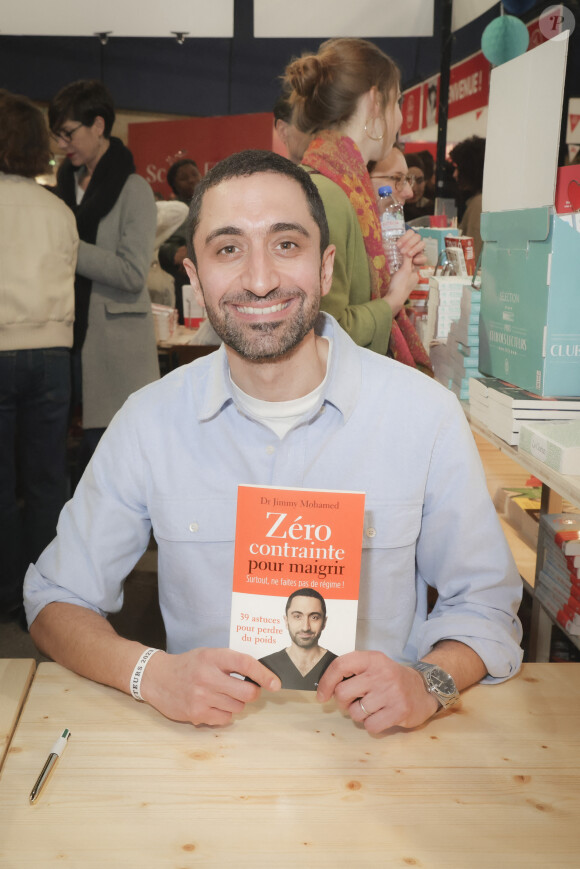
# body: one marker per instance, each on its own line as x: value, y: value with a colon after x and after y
x: 114, y: 350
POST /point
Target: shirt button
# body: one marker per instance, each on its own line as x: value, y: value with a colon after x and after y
x: 371, y: 532
x: 270, y: 449
x: 194, y: 526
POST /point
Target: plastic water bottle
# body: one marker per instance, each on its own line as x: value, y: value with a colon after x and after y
x: 392, y: 227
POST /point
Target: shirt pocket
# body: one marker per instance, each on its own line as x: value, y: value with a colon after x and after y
x: 195, y: 563
x: 191, y: 520
x: 388, y: 584
x: 391, y: 525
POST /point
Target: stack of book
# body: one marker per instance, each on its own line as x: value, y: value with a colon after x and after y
x: 445, y: 294
x: 454, y: 329
x: 463, y: 343
x: 417, y: 307
x: 558, y: 580
x: 505, y: 408
x: 479, y: 397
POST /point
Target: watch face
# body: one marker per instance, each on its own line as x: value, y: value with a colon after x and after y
x: 441, y: 681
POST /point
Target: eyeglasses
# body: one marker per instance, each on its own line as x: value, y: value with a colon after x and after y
x: 66, y: 135
x: 398, y: 181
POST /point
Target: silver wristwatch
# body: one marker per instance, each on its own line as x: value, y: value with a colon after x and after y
x: 439, y: 683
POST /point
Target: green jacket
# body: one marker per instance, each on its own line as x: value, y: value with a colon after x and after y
x: 368, y: 322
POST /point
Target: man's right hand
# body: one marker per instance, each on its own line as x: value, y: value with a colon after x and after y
x: 197, y: 686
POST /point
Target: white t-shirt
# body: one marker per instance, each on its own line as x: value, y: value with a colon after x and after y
x: 281, y: 416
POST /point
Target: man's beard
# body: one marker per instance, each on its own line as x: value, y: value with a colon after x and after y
x: 269, y: 340
x: 305, y: 642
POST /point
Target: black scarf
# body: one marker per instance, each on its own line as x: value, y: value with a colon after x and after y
x: 104, y: 188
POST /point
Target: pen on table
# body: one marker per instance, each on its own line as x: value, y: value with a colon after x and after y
x: 55, y: 752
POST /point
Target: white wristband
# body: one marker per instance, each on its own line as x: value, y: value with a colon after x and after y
x: 135, y: 683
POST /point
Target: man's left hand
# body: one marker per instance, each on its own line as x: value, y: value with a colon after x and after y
x: 377, y: 692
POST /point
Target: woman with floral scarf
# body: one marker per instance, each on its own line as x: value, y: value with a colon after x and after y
x: 348, y: 96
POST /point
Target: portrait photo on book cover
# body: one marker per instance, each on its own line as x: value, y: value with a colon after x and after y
x: 296, y: 636
x: 302, y: 663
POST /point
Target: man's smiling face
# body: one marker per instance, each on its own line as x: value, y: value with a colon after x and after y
x: 259, y: 272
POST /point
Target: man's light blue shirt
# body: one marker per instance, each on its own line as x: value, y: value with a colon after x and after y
x: 174, y: 455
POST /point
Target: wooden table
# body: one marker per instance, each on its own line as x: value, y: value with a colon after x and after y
x: 493, y: 783
x: 15, y: 678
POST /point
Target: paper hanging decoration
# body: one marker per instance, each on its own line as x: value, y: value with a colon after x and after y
x: 505, y: 38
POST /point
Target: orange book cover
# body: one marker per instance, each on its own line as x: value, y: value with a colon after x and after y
x: 296, y: 578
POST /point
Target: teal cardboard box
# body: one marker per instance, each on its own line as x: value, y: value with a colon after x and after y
x: 529, y: 328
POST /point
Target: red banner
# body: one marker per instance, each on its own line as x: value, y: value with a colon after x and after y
x: 157, y: 145
x: 469, y: 85
x: 411, y: 110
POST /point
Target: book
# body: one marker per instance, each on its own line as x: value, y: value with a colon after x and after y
x: 556, y: 606
x: 513, y: 396
x: 461, y: 254
x: 503, y: 430
x: 568, y: 189
x: 289, y: 542
x: 564, y: 530
x: 539, y: 414
x: 566, y: 564
x: 559, y: 592
x: 555, y: 443
x: 571, y: 588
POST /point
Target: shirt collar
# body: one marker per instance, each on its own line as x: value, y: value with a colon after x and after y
x: 344, y: 380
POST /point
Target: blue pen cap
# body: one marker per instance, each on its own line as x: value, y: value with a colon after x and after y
x: 385, y: 191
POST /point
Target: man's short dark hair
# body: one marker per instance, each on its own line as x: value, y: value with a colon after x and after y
x: 174, y: 169
x: 83, y: 101
x: 246, y: 163
x: 306, y: 592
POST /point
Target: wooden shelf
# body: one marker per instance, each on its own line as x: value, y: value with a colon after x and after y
x: 502, y: 471
x: 567, y: 486
x: 506, y: 466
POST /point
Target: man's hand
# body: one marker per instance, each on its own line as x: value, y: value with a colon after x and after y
x: 197, y: 687
x: 391, y: 694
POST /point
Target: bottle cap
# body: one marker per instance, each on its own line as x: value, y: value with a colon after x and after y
x: 385, y: 191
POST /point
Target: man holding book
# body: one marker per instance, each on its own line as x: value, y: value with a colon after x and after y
x: 288, y: 400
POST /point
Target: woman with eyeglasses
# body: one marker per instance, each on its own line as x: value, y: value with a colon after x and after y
x: 393, y: 170
x: 114, y: 350
x: 38, y: 251
x: 418, y: 205
x: 347, y: 95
